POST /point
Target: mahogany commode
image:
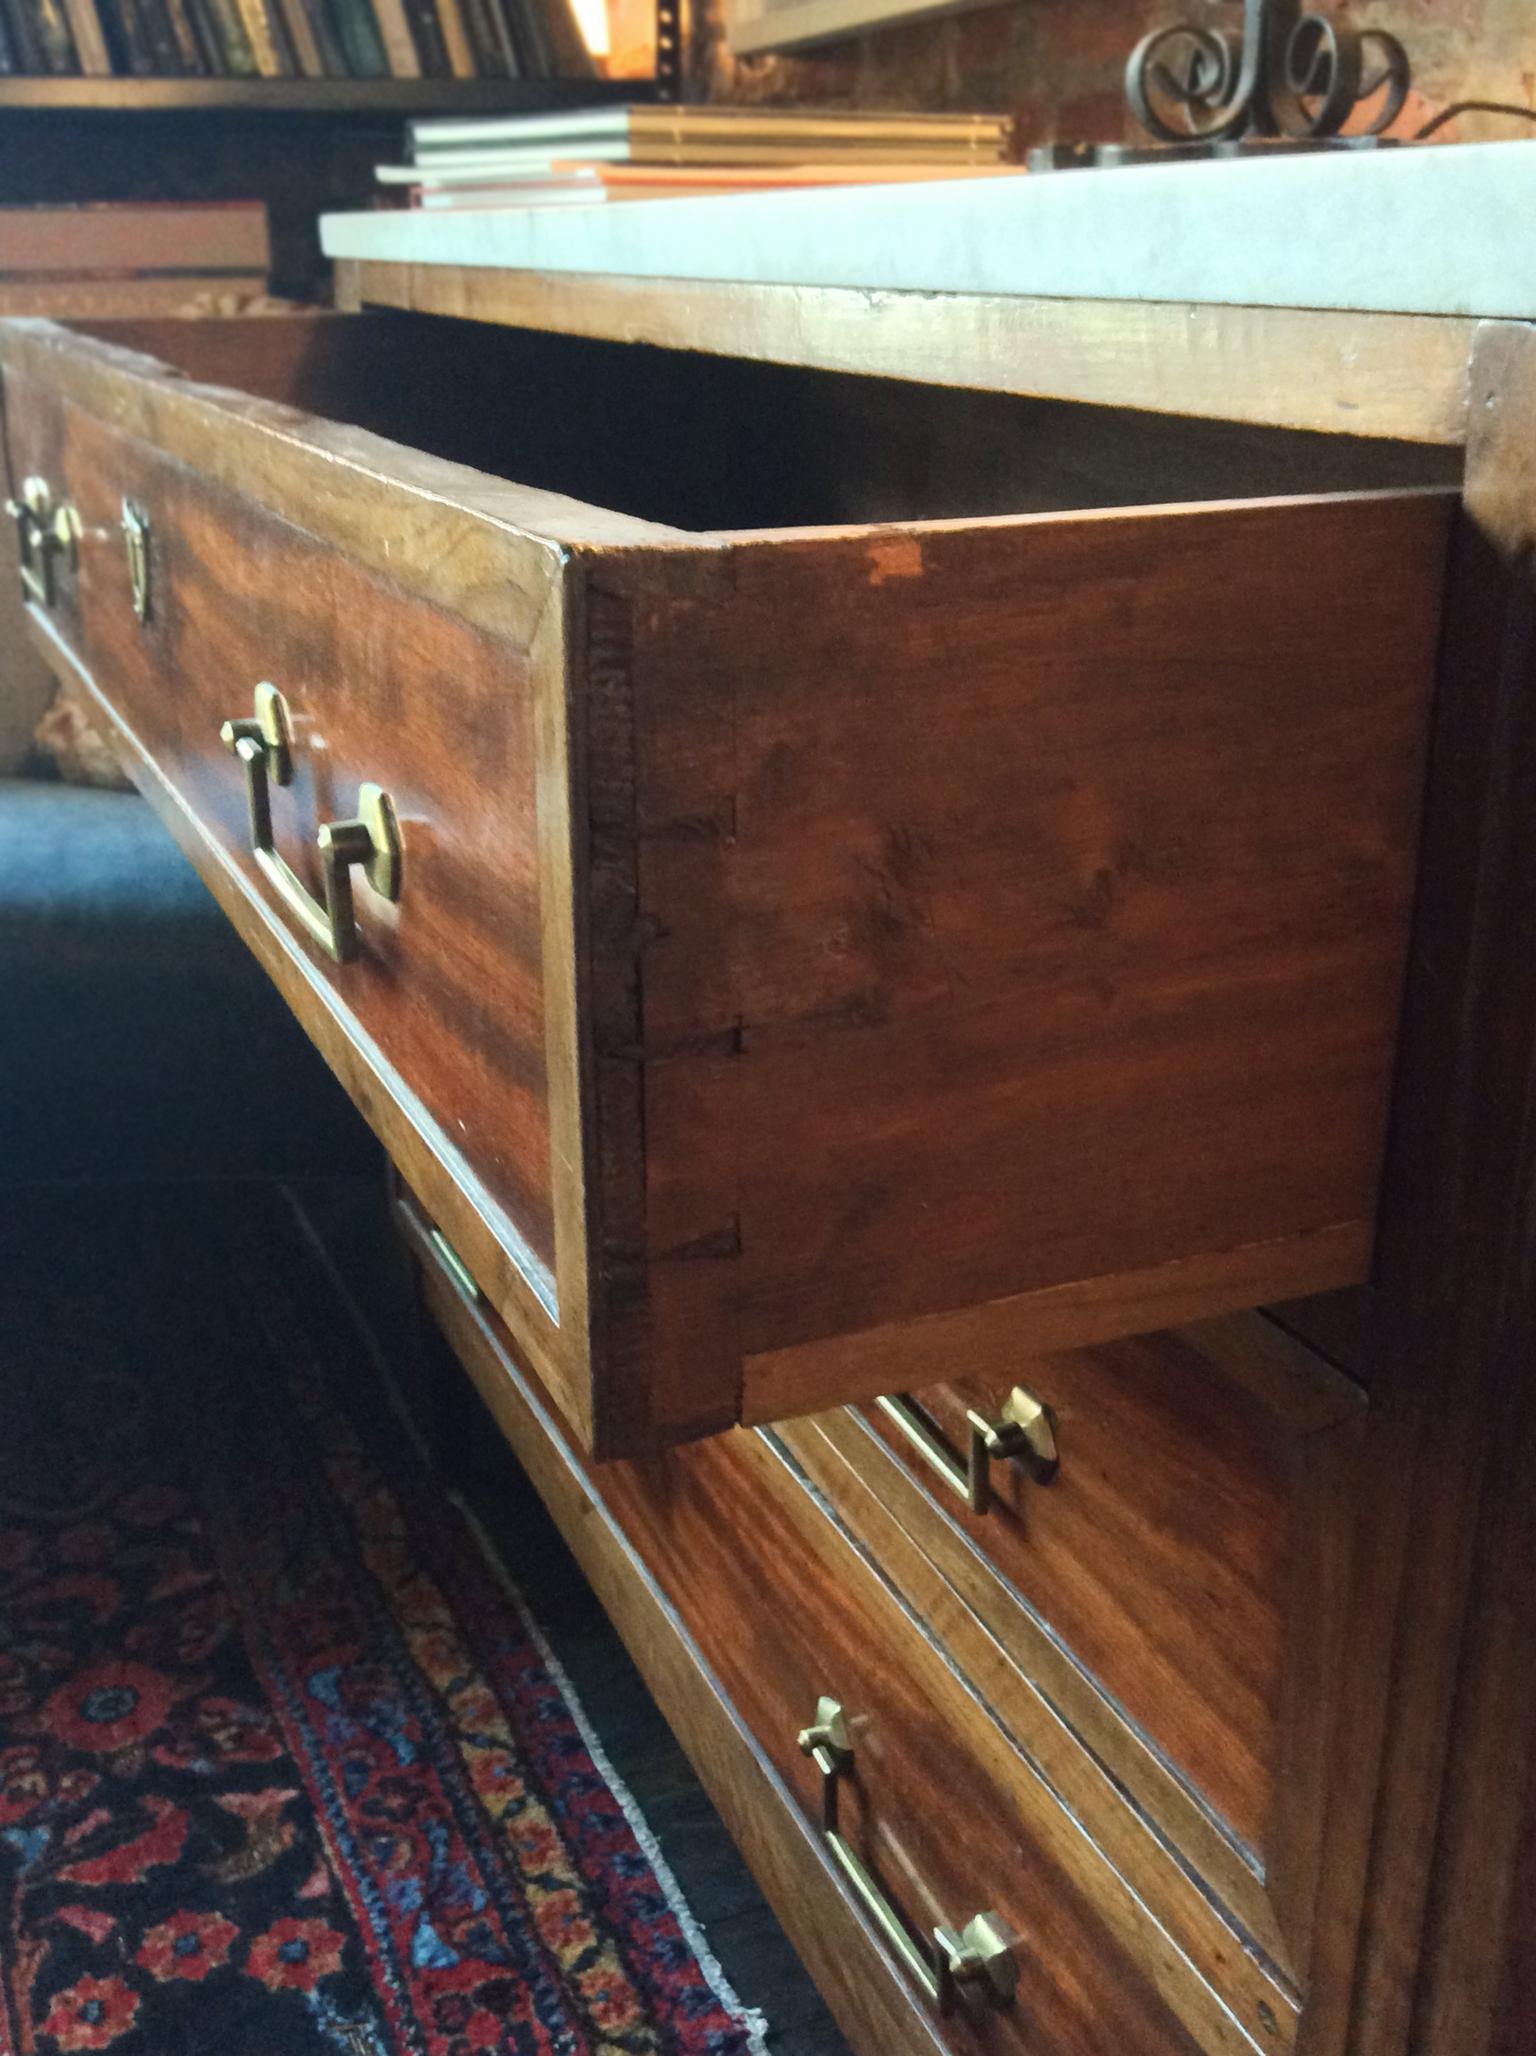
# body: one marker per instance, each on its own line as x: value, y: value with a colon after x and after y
x: 872, y: 955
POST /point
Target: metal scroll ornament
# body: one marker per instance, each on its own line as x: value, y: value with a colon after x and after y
x: 1286, y: 73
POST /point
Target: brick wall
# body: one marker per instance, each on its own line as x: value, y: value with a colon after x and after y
x: 1057, y: 63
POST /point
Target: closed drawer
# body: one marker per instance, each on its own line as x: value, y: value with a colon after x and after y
x: 816, y: 947
x: 1168, y: 1561
x: 944, y: 1815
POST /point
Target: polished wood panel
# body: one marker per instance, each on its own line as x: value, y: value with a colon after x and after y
x: 1350, y: 374
x: 1444, y: 1952
x: 1157, y: 1553
x: 989, y: 1338
x: 1030, y: 958
x: 1174, y: 1589
x: 363, y: 673
x: 724, y: 1522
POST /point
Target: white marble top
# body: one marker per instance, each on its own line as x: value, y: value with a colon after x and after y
x: 1445, y: 229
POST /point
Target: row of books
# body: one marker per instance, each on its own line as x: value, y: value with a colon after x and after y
x: 292, y: 38
x: 132, y: 257
x: 650, y: 151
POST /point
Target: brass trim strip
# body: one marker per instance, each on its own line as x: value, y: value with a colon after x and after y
x: 457, y: 1271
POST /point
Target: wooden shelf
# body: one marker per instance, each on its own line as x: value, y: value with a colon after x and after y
x: 312, y: 96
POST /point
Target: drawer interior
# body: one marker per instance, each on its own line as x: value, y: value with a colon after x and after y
x: 708, y: 443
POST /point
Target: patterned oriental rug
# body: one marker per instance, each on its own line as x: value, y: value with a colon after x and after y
x: 284, y: 1765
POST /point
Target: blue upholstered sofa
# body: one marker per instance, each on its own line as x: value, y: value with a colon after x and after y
x: 138, y: 1039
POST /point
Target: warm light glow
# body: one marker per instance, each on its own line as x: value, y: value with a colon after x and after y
x: 592, y: 20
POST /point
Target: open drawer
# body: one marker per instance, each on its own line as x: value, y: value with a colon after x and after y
x: 828, y: 879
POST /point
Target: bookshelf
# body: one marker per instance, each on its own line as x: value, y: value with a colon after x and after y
x: 255, y: 96
x: 303, y: 146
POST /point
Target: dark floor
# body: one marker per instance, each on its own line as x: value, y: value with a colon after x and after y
x: 141, y: 1048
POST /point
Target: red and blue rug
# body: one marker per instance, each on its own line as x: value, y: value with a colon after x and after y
x: 283, y: 1768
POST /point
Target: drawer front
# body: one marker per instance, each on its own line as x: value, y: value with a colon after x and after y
x: 448, y: 979
x: 1153, y: 1528
x: 936, y: 1802
x: 441, y: 1023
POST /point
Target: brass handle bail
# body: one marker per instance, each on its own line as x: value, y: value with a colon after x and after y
x: 1024, y: 1433
x: 263, y: 743
x: 135, y: 527
x: 45, y: 533
x: 979, y: 1956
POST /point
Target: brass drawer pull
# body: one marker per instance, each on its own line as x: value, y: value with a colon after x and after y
x: 44, y: 533
x: 1025, y: 1434
x: 979, y: 1956
x: 264, y: 745
x: 135, y: 526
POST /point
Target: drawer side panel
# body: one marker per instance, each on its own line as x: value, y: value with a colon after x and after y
x: 1031, y: 900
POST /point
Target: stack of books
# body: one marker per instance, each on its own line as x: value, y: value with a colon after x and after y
x: 647, y: 152
x: 293, y: 38
x: 132, y: 257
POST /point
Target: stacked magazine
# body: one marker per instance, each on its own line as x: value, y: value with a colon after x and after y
x: 649, y: 151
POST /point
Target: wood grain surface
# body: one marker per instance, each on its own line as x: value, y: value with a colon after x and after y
x: 723, y: 1523
x: 1444, y: 1960
x: 1175, y: 1593
x: 990, y: 921
x: 1161, y: 1554
x: 1009, y: 920
x: 1349, y: 374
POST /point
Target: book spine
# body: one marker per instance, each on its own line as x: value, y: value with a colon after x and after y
x: 461, y: 55
x: 29, y: 55
x: 525, y: 29
x: 500, y: 31
x: 127, y: 38
x: 333, y: 57
x: 231, y: 46
x: 557, y: 35
x: 427, y: 35
x: 304, y: 41
x: 189, y: 50
x: 358, y: 34
x: 494, y: 56
x: 90, y: 40
x: 265, y: 38
x: 54, y: 40
x: 506, y: 18
x: 207, y: 40
x: 7, y: 47
x: 399, y: 44
x: 155, y: 26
